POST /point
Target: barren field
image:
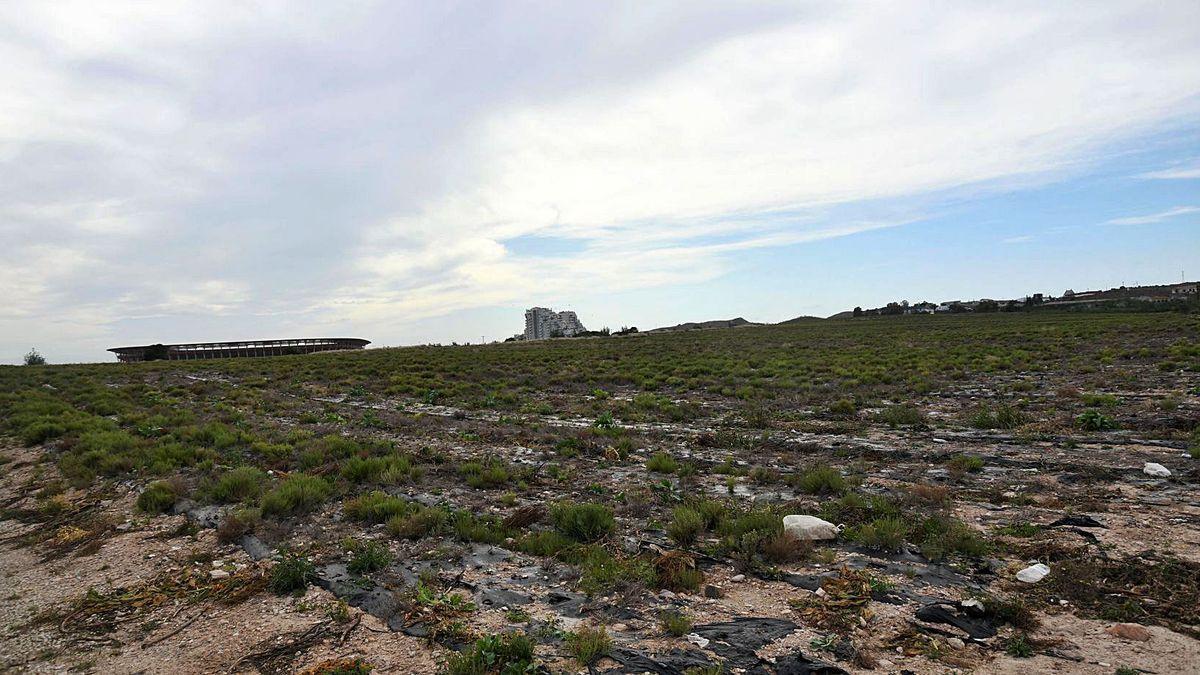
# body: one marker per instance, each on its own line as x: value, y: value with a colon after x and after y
x: 618, y: 504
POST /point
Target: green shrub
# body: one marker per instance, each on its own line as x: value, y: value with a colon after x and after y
x: 843, y: 407
x: 423, y: 522
x: 662, y: 463
x: 1094, y: 420
x: 158, y: 497
x: 589, y: 644
x: 241, y: 484
x: 965, y: 464
x: 483, y: 529
x: 686, y: 525
x: 40, y: 432
x: 291, y: 575
x: 300, y: 493
x: 504, y: 653
x: 902, y: 415
x: 1004, y: 416
x: 368, y: 556
x: 674, y: 623
x: 821, y: 480
x: 491, y: 475
x: 375, y: 507
x: 886, y: 534
x: 583, y: 522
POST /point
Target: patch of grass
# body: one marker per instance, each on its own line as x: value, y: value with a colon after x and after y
x: 965, y: 464
x: 244, y: 483
x: 821, y: 480
x: 662, y: 462
x: 583, y: 522
x: 237, y: 524
x: 885, y: 534
x: 686, y: 526
x: 492, y: 474
x: 902, y: 415
x: 1003, y: 416
x: 291, y: 575
x: 1094, y: 420
x: 1019, y: 646
x: 376, y: 507
x: 843, y: 407
x: 368, y: 556
x: 423, y: 522
x: 504, y: 653
x: 589, y: 644
x: 676, y: 624
x: 158, y: 497
x: 297, y: 494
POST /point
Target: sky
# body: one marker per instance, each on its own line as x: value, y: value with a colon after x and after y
x: 414, y: 172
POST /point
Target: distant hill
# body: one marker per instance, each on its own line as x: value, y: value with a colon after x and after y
x: 800, y: 319
x: 843, y: 315
x: 703, y: 325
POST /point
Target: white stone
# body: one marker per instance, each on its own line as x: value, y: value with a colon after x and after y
x: 1033, y: 573
x: 738, y: 578
x: 1156, y: 470
x: 697, y: 640
x: 219, y: 574
x: 810, y: 528
x: 956, y: 643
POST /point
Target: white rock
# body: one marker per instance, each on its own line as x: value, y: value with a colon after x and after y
x: 972, y: 602
x: 219, y: 574
x: 1033, y: 573
x: 738, y: 577
x: 1156, y: 470
x: 697, y: 640
x: 810, y: 528
x: 957, y: 643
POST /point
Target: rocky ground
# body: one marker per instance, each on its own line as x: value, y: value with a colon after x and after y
x: 99, y: 586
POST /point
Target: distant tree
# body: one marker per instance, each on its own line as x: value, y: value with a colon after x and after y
x: 858, y: 311
x: 987, y: 306
x: 33, y: 358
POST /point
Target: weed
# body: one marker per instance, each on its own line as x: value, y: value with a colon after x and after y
x: 300, y: 493
x: 1094, y: 420
x: 422, y: 522
x: 1019, y: 646
x: 375, y: 507
x: 676, y: 624
x: 965, y: 464
x: 583, y: 522
x: 292, y: 575
x: 504, y: 653
x: 902, y: 415
x: 589, y: 644
x: 821, y: 480
x: 686, y: 526
x: 158, y: 497
x: 241, y: 484
x: 662, y: 463
x: 368, y: 556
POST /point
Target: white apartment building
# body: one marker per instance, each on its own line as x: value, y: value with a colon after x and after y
x: 542, y: 323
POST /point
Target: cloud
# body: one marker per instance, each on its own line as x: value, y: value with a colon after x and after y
x: 1154, y: 217
x: 1175, y: 173
x: 1022, y: 239
x: 301, y: 167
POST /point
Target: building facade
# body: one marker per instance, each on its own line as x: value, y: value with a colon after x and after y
x: 542, y: 323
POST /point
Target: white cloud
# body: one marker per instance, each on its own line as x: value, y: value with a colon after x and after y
x: 1174, y: 173
x: 1021, y: 239
x: 1154, y: 217
x: 376, y: 162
